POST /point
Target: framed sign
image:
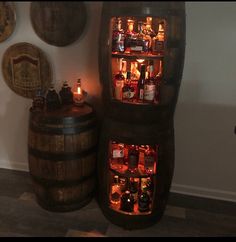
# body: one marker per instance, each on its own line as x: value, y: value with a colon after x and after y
x: 26, y: 69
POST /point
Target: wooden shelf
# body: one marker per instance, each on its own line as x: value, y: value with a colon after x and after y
x: 133, y: 56
x: 136, y: 212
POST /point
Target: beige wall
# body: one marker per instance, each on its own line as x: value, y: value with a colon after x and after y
x: 206, y: 111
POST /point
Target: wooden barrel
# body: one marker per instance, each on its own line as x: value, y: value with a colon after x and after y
x: 62, y: 156
x: 138, y: 135
x: 173, y: 13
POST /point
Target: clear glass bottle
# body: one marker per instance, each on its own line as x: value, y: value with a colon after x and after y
x: 159, y: 40
x: 117, y: 155
x: 130, y: 35
x: 150, y: 85
x: 119, y: 82
x: 149, y: 160
x: 115, y: 193
x: 118, y: 37
x: 133, y: 158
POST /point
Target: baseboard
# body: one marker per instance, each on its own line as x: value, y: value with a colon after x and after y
x: 19, y: 166
x: 204, y: 192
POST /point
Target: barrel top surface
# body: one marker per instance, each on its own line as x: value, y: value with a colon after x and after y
x: 65, y: 111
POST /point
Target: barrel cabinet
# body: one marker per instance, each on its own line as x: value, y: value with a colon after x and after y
x: 62, y: 152
x: 136, y: 144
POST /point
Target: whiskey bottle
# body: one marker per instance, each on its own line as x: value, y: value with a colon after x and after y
x: 127, y: 202
x: 158, y: 40
x: 133, y: 188
x: 150, y: 85
x: 119, y: 82
x: 130, y: 36
x: 149, y: 31
x: 133, y: 159
x: 149, y: 160
x: 141, y: 82
x: 128, y: 91
x: 115, y: 193
x: 144, y: 200
x: 117, y: 155
x: 141, y: 43
x: 118, y: 37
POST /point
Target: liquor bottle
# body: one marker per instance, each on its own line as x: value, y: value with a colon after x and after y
x: 52, y: 99
x: 123, y: 184
x: 130, y: 36
x: 158, y: 82
x: 117, y: 155
x: 141, y: 43
x: 124, y: 68
x: 158, y: 40
x: 133, y: 188
x: 38, y: 101
x: 149, y: 160
x: 148, y: 30
x: 118, y: 37
x: 150, y: 85
x: 127, y: 202
x: 128, y: 91
x: 119, y: 82
x: 115, y: 193
x: 144, y: 200
x: 66, y: 94
x: 133, y: 159
x: 141, y: 82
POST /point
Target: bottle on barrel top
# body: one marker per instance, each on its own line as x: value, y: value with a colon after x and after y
x: 119, y: 82
x: 150, y: 85
x: 38, y: 101
x: 118, y: 37
x: 66, y: 94
x: 115, y: 193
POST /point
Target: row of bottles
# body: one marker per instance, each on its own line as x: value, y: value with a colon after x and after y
x: 126, y: 193
x: 134, y: 159
x: 145, y: 40
x: 52, y: 100
x: 132, y: 85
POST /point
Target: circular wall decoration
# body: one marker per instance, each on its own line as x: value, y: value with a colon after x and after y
x: 7, y: 19
x: 58, y: 23
x: 26, y: 69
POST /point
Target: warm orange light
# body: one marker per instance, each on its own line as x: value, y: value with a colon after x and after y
x: 140, y: 60
x: 79, y: 90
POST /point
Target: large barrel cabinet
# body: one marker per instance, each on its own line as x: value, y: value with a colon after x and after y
x: 62, y: 153
x: 136, y: 145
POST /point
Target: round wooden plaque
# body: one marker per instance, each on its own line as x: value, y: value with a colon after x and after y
x: 58, y: 23
x: 7, y: 19
x: 26, y: 69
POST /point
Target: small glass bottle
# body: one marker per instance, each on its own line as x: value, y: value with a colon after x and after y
x: 66, y: 94
x: 127, y: 202
x: 52, y: 99
x: 130, y: 35
x: 150, y: 85
x: 38, y: 101
x: 119, y: 82
x: 117, y: 155
x: 118, y: 37
x: 149, y: 160
x: 133, y: 159
x: 115, y: 193
x: 141, y: 82
x: 159, y: 40
x: 144, y: 200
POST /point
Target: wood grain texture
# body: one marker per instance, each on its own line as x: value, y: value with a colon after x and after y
x: 26, y: 69
x: 62, y: 156
x: 58, y: 23
x: 7, y: 20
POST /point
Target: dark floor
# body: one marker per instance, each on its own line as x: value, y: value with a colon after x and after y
x: 21, y: 216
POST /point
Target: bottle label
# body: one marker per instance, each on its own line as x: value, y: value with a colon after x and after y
x: 141, y: 94
x: 136, y: 48
x: 149, y: 92
x: 118, y: 153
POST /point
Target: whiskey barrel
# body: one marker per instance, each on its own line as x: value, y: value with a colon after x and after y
x: 138, y: 135
x: 173, y: 60
x: 62, y: 156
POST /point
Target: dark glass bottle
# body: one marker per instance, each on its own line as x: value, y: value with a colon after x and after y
x: 133, y: 188
x: 144, y: 200
x: 141, y: 82
x: 38, y: 101
x: 118, y: 37
x: 127, y: 202
x: 150, y: 85
x: 66, y: 94
x: 133, y: 158
x: 52, y: 99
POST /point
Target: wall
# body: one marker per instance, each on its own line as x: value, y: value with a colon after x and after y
x: 206, y: 111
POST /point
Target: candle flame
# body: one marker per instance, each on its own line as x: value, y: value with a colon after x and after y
x: 79, y: 90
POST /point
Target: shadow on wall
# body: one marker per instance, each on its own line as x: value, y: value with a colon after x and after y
x: 14, y: 134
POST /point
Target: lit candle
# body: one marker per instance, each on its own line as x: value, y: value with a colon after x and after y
x: 78, y: 95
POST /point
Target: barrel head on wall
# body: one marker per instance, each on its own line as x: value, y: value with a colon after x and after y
x: 58, y: 23
x: 7, y: 20
x: 26, y: 69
